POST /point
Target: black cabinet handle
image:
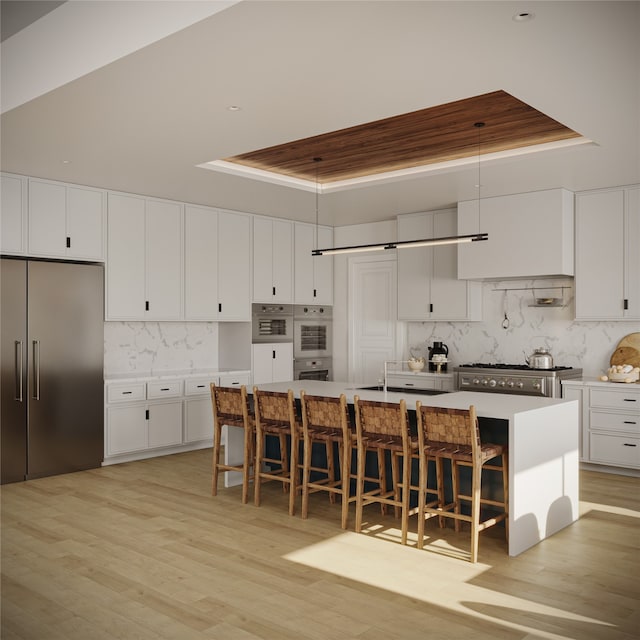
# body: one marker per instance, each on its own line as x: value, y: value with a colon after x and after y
x: 625, y: 306
x: 629, y: 399
x: 146, y: 414
x: 431, y: 308
x: 68, y: 242
x: 220, y: 307
x: 628, y: 444
x: 273, y: 355
x: 146, y: 305
x: 274, y: 290
x: 127, y: 393
x: 315, y: 293
x: 165, y: 389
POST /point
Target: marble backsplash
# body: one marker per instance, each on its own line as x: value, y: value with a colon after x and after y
x: 587, y: 345
x: 140, y: 347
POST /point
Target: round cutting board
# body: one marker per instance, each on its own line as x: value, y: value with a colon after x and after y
x: 627, y: 351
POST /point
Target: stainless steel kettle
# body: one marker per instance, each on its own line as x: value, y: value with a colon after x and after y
x: 540, y: 359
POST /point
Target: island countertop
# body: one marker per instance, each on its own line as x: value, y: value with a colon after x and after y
x: 487, y: 405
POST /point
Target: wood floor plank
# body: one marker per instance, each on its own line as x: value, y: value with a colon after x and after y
x: 142, y: 551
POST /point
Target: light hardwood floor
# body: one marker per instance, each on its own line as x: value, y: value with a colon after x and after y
x: 142, y: 551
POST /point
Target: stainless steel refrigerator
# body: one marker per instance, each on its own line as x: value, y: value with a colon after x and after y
x: 51, y: 381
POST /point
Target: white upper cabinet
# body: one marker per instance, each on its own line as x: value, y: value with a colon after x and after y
x: 607, y: 254
x: 66, y: 221
x: 313, y: 280
x: 13, y: 214
x: 144, y: 260
x: 217, y: 265
x: 428, y: 287
x: 530, y: 236
x: 272, y: 260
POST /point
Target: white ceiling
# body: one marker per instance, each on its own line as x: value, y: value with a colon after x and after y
x: 142, y: 122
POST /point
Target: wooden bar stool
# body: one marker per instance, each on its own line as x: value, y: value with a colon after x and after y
x: 231, y: 407
x: 454, y: 434
x: 275, y: 415
x: 384, y: 427
x: 326, y: 420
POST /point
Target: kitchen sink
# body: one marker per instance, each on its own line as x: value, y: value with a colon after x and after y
x: 422, y: 392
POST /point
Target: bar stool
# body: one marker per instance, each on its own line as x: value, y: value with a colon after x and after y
x: 454, y: 434
x: 384, y: 427
x: 275, y: 415
x: 326, y: 420
x: 231, y: 407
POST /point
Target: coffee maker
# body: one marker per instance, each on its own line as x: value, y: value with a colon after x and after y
x: 439, y: 362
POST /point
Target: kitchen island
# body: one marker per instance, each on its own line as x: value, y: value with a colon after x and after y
x: 543, y: 439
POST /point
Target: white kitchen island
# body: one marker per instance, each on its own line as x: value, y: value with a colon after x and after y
x: 543, y: 440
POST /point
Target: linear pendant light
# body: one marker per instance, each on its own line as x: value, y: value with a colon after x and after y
x: 404, y: 244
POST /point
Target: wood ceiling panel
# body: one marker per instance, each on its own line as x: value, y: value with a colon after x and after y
x: 437, y: 134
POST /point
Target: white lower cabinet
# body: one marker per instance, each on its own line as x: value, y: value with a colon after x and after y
x: 610, y: 418
x: 272, y: 362
x: 153, y: 417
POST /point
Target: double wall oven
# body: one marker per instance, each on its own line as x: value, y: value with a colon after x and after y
x: 312, y: 342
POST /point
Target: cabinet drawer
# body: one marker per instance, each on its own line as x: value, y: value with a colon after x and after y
x: 615, y: 450
x: 198, y: 386
x: 164, y: 389
x: 625, y: 399
x: 126, y: 392
x: 627, y: 422
x: 411, y: 382
x: 234, y: 380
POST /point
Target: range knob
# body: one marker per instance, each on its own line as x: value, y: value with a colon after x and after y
x: 510, y: 384
x: 476, y: 381
x: 537, y: 385
x: 502, y: 383
x: 520, y: 385
x: 485, y: 382
x: 492, y: 383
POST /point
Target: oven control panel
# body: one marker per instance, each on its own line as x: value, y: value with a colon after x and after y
x: 496, y: 383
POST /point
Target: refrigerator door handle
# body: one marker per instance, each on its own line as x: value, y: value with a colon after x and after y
x: 36, y: 370
x: 18, y: 370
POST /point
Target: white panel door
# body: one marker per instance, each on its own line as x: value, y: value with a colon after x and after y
x: 234, y: 266
x: 201, y: 264
x: 372, y: 317
x: 165, y: 424
x: 632, y: 254
x: 414, y: 268
x: 282, y: 261
x: 323, y: 269
x: 262, y: 260
x: 198, y: 420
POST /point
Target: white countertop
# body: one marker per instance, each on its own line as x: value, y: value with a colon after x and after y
x: 144, y: 376
x: 488, y: 405
x: 600, y: 383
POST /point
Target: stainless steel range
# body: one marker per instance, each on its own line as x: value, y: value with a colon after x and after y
x: 517, y: 379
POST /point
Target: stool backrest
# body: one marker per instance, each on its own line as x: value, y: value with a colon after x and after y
x: 274, y: 407
x: 230, y: 405
x: 326, y: 413
x: 448, y: 426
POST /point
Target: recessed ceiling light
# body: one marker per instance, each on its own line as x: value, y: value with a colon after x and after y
x: 66, y: 162
x: 234, y: 107
x: 523, y: 16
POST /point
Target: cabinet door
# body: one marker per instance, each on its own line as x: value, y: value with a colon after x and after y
x: 283, y: 362
x: 47, y: 219
x: 126, y: 429
x: 304, y: 243
x: 234, y: 267
x: 414, y: 268
x: 262, y: 260
x: 573, y: 393
x: 125, y: 283
x: 163, y: 260
x: 282, y: 261
x: 198, y: 420
x: 262, y: 356
x: 201, y: 264
x: 13, y: 215
x: 599, y: 255
x: 449, y: 296
x: 165, y: 424
x: 632, y: 254
x: 323, y: 269
x: 313, y: 279
x: 85, y: 223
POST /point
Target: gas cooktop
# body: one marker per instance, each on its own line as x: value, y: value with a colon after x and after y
x: 518, y: 367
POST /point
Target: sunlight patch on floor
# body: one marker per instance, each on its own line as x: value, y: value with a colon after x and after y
x: 430, y: 577
x: 585, y: 507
